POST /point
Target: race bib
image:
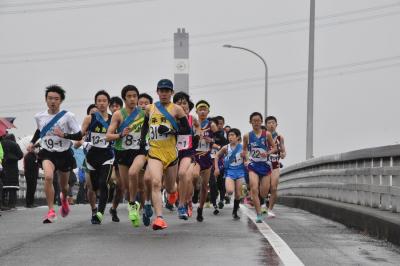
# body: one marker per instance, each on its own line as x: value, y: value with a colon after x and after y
x: 154, y: 135
x: 131, y: 141
x: 203, y: 146
x: 98, y: 140
x: 214, y: 151
x: 274, y: 158
x: 54, y: 143
x: 184, y: 142
x: 237, y: 161
x: 255, y: 155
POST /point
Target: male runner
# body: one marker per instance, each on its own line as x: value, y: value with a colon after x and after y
x: 271, y: 124
x: 260, y: 145
x: 125, y: 128
x: 163, y: 155
x: 203, y: 158
x: 100, y: 157
x: 56, y: 129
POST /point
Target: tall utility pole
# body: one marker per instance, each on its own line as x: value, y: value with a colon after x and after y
x: 181, y: 58
x: 310, y: 90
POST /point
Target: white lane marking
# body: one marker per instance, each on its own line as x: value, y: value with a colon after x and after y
x: 284, y: 252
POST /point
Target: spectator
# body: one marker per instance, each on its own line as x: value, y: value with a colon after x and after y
x: 10, y: 173
x: 31, y: 170
x: 1, y: 170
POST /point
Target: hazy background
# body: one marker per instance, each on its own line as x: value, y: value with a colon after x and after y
x: 89, y: 45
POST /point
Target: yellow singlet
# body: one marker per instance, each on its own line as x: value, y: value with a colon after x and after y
x: 162, y: 146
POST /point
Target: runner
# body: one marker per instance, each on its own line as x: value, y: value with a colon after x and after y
x: 260, y: 145
x: 144, y: 177
x: 203, y: 153
x: 56, y: 129
x: 115, y: 191
x: 185, y: 145
x: 217, y: 183
x: 234, y: 167
x: 100, y: 157
x: 125, y: 128
x: 271, y: 124
x: 163, y: 155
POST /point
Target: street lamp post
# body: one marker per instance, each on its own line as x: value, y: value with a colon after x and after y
x: 266, y: 73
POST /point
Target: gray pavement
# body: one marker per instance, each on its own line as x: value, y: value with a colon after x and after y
x: 219, y: 240
x: 74, y: 241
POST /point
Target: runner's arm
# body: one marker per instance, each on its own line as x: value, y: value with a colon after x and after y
x: 144, y: 131
x: 85, y: 124
x: 115, y: 120
x: 271, y: 144
x: 282, y: 148
x: 184, y: 127
x: 245, y: 145
x: 219, y: 154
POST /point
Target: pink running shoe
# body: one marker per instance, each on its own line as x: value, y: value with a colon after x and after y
x: 64, y: 206
x: 50, y: 217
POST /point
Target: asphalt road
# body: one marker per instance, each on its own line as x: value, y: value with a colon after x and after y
x: 219, y: 240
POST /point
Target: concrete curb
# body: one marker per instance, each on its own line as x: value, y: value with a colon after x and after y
x: 382, y: 224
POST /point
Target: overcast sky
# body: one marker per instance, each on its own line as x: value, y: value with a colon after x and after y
x: 89, y: 45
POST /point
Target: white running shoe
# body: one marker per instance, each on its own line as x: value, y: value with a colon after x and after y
x: 271, y: 214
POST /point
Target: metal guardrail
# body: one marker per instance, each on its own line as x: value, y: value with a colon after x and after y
x: 368, y: 177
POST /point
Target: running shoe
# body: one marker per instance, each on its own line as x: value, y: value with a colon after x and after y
x: 216, y: 211
x: 235, y: 215
x: 95, y: 219
x: 199, y: 217
x: 264, y: 210
x: 221, y: 204
x: 147, y: 213
x: 189, y: 209
x: 169, y: 206
x: 259, y: 218
x: 159, y: 224
x: 50, y: 217
x: 182, y: 214
x: 64, y: 210
x: 173, y: 197
x: 271, y: 214
x: 114, y: 216
x: 133, y: 213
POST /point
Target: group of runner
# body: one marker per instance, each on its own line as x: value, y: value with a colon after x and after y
x: 146, y: 147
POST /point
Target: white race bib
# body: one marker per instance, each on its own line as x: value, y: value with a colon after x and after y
x: 131, y: 141
x: 203, y: 146
x: 255, y: 155
x: 184, y: 142
x: 214, y: 151
x: 98, y: 140
x: 55, y: 143
x: 154, y: 135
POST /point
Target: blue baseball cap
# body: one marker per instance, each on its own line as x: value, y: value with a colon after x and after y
x: 165, y: 84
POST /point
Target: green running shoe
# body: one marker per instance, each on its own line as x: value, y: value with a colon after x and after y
x: 133, y: 213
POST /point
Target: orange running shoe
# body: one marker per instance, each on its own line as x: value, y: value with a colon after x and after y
x: 190, y: 209
x: 173, y: 197
x: 159, y: 224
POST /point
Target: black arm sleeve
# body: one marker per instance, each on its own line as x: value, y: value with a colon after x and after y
x: 36, y: 136
x: 184, y: 127
x: 74, y: 136
x: 144, y: 130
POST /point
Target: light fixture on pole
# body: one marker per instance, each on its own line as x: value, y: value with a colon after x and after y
x: 266, y: 72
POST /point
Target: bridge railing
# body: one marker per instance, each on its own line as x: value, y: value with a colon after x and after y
x: 368, y: 177
x: 39, y: 194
